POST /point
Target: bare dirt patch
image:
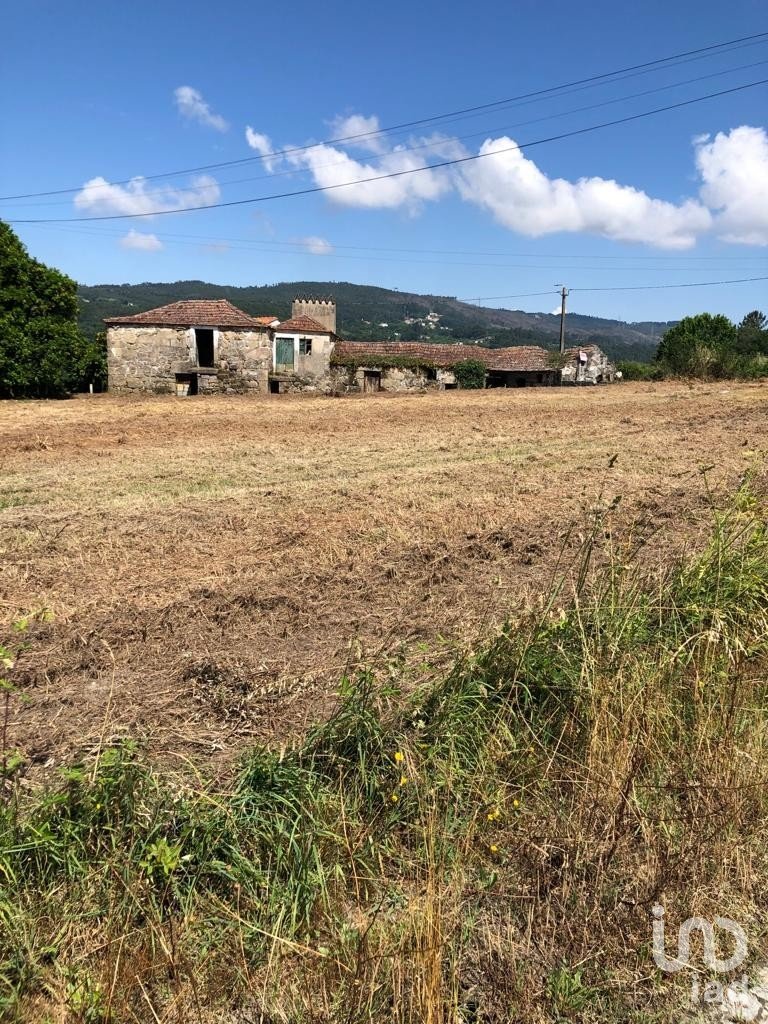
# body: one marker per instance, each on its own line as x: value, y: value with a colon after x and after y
x: 200, y: 572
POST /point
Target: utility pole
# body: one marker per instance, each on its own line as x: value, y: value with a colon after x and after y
x: 563, y: 294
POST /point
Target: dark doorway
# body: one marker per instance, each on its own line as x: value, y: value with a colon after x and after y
x: 204, y: 343
x: 371, y: 381
x: 274, y: 387
x: 186, y: 384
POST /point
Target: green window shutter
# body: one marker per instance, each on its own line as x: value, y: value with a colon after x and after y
x: 284, y: 354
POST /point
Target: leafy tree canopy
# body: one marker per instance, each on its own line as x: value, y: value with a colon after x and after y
x: 42, y: 351
x: 699, y: 346
x: 752, y: 334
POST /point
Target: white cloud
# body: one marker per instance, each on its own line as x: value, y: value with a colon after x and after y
x: 98, y: 196
x: 263, y: 145
x: 523, y: 198
x: 317, y: 246
x: 139, y: 240
x: 331, y: 166
x: 191, y: 104
x: 342, y: 127
x: 734, y: 171
x: 733, y: 198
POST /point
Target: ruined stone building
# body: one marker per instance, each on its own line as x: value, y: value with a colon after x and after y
x: 587, y: 365
x: 209, y: 345
x: 189, y: 347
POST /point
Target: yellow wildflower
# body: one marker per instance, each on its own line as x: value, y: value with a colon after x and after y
x: 493, y: 848
x: 403, y: 780
x: 394, y: 798
x: 399, y: 757
x: 515, y: 803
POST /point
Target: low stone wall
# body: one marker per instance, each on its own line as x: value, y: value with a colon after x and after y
x: 296, y: 384
x: 344, y: 380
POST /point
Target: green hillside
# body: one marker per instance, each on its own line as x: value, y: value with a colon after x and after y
x: 367, y: 313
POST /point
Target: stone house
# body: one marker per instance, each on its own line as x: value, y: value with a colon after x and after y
x: 189, y: 347
x: 301, y: 353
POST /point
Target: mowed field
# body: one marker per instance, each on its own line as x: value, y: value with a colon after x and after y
x: 201, y: 573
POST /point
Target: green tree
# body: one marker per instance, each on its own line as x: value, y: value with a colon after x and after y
x: 752, y: 334
x: 42, y: 352
x: 699, y: 346
x: 470, y: 373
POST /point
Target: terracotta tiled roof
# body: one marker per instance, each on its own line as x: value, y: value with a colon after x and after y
x: 192, y: 313
x: 265, y: 320
x: 521, y: 357
x: 303, y: 323
x: 439, y: 355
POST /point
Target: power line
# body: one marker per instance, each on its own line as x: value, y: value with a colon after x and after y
x: 549, y: 91
x: 621, y: 288
x: 392, y: 174
x: 429, y: 145
x: 691, y: 284
x: 115, y: 232
x: 300, y: 248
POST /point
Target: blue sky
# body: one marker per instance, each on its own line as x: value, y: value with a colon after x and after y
x: 103, y: 93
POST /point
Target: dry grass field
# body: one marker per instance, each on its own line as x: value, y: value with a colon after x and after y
x: 309, y: 774
x: 199, y: 573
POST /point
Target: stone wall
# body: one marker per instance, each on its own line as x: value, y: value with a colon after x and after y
x: 141, y: 359
x: 397, y: 378
x: 244, y: 359
x: 350, y: 380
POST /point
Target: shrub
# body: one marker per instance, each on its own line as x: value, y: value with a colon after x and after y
x: 632, y: 370
x: 470, y: 373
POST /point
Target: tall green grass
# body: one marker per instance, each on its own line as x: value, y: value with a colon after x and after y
x: 485, y: 848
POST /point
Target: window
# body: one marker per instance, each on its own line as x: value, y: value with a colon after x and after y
x: 204, y: 346
x: 284, y: 355
x: 305, y: 346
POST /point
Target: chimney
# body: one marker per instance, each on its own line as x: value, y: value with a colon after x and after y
x: 322, y: 310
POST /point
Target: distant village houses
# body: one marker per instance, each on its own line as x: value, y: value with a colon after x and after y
x: 207, y: 346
